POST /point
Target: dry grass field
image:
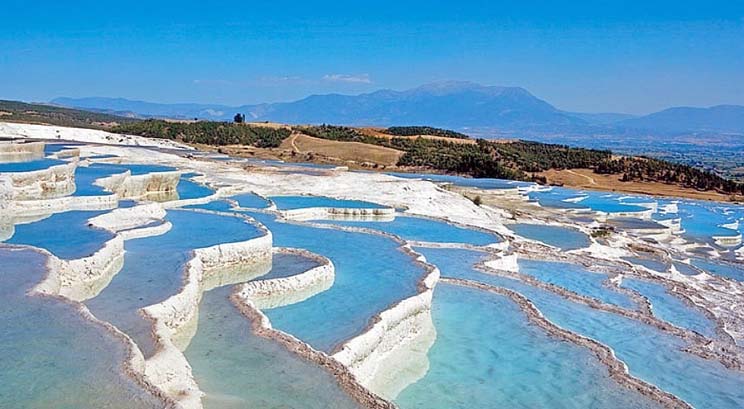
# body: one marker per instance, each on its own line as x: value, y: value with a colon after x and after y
x: 346, y: 151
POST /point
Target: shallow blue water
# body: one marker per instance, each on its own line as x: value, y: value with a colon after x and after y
x: 215, y: 205
x: 50, y: 148
x: 597, y: 201
x: 188, y: 189
x: 300, y: 202
x: 288, y: 264
x: 29, y: 166
x: 685, y: 268
x: 575, y: 278
x: 251, y: 201
x: 237, y: 369
x: 608, y: 203
x: 137, y: 169
x: 66, y: 235
x: 420, y: 229
x: 651, y: 355
x: 481, y: 183
x: 50, y: 357
x: 153, y: 268
x: 628, y: 223
x: 371, y: 274
x: 701, y: 220
x: 488, y: 355
x: 653, y: 264
x: 719, y: 268
x: 670, y: 308
x: 562, y: 237
x: 85, y: 176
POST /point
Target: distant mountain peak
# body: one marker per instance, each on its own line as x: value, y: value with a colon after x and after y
x: 446, y: 104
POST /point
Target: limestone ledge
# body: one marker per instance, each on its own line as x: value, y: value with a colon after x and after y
x: 278, y: 292
x: 641, y: 214
x: 129, y: 217
x: 83, y: 278
x: 314, y: 213
x: 54, y: 181
x: 26, y: 208
x: 366, y: 355
x: 728, y: 241
x: 168, y: 368
x: 126, y: 185
x: 261, y: 326
x: 21, y: 151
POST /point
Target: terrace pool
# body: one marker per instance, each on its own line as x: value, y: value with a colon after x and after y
x: 153, y: 269
x: 562, y: 237
x: 487, y: 355
x: 372, y: 273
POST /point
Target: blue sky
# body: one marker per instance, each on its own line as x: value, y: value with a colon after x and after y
x: 623, y: 56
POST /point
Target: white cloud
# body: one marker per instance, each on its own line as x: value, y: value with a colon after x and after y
x: 347, y: 78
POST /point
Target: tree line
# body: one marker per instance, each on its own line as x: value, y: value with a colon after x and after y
x: 518, y: 160
x: 207, y: 132
x: 424, y: 130
x: 521, y: 160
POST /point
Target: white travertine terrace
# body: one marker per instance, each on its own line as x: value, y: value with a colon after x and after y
x: 342, y: 213
x: 278, y: 292
x: 402, y: 332
x: 168, y: 368
x: 54, y: 181
x: 127, y: 186
x: 372, y: 356
x: 21, y: 151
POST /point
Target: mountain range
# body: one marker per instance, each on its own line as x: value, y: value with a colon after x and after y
x: 451, y: 104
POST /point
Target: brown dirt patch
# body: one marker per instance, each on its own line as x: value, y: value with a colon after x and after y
x: 346, y: 151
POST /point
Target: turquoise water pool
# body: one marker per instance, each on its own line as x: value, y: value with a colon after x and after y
x: 702, y: 220
x: 487, y: 355
x: 480, y: 183
x: 650, y: 263
x: 137, y: 169
x: 50, y: 357
x: 720, y: 268
x: 66, y: 235
x: 575, y: 278
x: 301, y: 202
x: 251, y: 201
x: 188, y: 189
x: 29, y: 166
x: 289, y: 264
x: 563, y: 198
x: 650, y: 354
x: 237, y: 369
x: 372, y: 273
x: 153, y: 269
x: 215, y: 205
x: 420, y: 229
x: 85, y: 176
x: 562, y: 237
x: 671, y: 309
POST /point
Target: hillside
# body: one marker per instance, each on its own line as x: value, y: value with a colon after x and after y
x: 518, y: 160
x: 14, y: 111
x: 721, y: 118
x: 442, y: 104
